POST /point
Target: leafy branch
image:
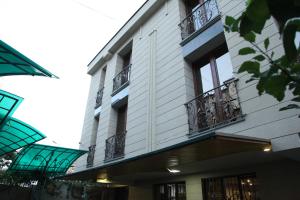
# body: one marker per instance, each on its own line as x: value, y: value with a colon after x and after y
x: 284, y: 72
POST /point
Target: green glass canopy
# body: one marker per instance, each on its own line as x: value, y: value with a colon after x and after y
x: 13, y: 62
x: 8, y: 104
x: 46, y: 159
x: 15, y: 134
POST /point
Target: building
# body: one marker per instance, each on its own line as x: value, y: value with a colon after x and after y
x: 168, y: 116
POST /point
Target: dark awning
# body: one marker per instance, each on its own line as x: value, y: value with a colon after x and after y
x: 13, y: 62
x: 16, y: 134
x: 181, y: 156
x: 48, y: 159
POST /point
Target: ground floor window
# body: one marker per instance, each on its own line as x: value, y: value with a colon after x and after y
x: 241, y: 187
x: 170, y: 191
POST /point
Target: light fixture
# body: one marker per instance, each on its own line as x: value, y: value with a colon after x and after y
x: 173, y: 161
x: 267, y: 149
x: 173, y: 171
x: 103, y: 180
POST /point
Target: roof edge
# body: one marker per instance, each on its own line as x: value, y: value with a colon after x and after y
x: 124, y: 33
x: 118, y: 31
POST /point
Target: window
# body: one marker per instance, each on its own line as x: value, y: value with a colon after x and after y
x: 216, y: 101
x: 115, y: 145
x: 121, y: 80
x: 242, y: 187
x: 192, y: 4
x: 127, y: 59
x: 92, y: 147
x: 170, y: 191
x: 213, y: 70
x: 198, y: 14
x: 101, y: 88
x: 122, y: 120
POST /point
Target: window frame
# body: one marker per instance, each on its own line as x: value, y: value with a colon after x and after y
x: 223, y: 189
x: 157, y: 187
x: 122, y: 119
x: 210, y: 58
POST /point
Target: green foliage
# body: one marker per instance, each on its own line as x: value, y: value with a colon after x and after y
x: 251, y: 67
x: 6, y: 160
x: 246, y: 50
x: 284, y: 72
x: 13, y: 179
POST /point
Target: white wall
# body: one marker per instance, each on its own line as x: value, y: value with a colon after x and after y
x: 161, y: 82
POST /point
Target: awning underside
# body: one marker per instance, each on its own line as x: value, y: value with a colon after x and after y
x: 16, y: 134
x: 47, y: 159
x: 204, y: 148
x: 13, y: 62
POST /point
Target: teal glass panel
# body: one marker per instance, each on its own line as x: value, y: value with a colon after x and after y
x: 13, y: 62
x: 16, y: 134
x: 8, y: 104
x: 49, y: 159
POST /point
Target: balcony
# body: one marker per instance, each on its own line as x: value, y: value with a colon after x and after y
x: 199, y: 18
x: 115, y: 146
x: 121, y: 80
x: 215, y: 108
x: 99, y: 98
x: 90, y: 157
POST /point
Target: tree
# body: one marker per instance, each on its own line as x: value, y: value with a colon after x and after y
x: 6, y: 160
x: 284, y: 72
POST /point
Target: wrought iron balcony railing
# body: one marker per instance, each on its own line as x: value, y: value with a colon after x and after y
x: 214, y: 108
x: 200, y: 16
x: 115, y: 146
x: 121, y: 79
x: 90, y: 157
x: 99, y: 97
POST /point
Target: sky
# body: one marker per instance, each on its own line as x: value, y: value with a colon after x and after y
x: 62, y: 36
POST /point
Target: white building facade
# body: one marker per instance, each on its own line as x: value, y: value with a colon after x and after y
x: 169, y: 117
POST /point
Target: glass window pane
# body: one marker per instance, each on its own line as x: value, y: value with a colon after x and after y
x: 197, y: 17
x: 224, y: 67
x: 297, y: 40
x: 206, y: 78
x: 171, y: 191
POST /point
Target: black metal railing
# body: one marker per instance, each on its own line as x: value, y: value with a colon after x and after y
x: 99, y: 97
x: 115, y: 146
x: 199, y: 18
x: 214, y: 108
x: 122, y: 78
x: 90, y: 157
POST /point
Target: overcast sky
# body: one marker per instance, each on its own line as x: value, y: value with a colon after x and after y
x: 62, y: 36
